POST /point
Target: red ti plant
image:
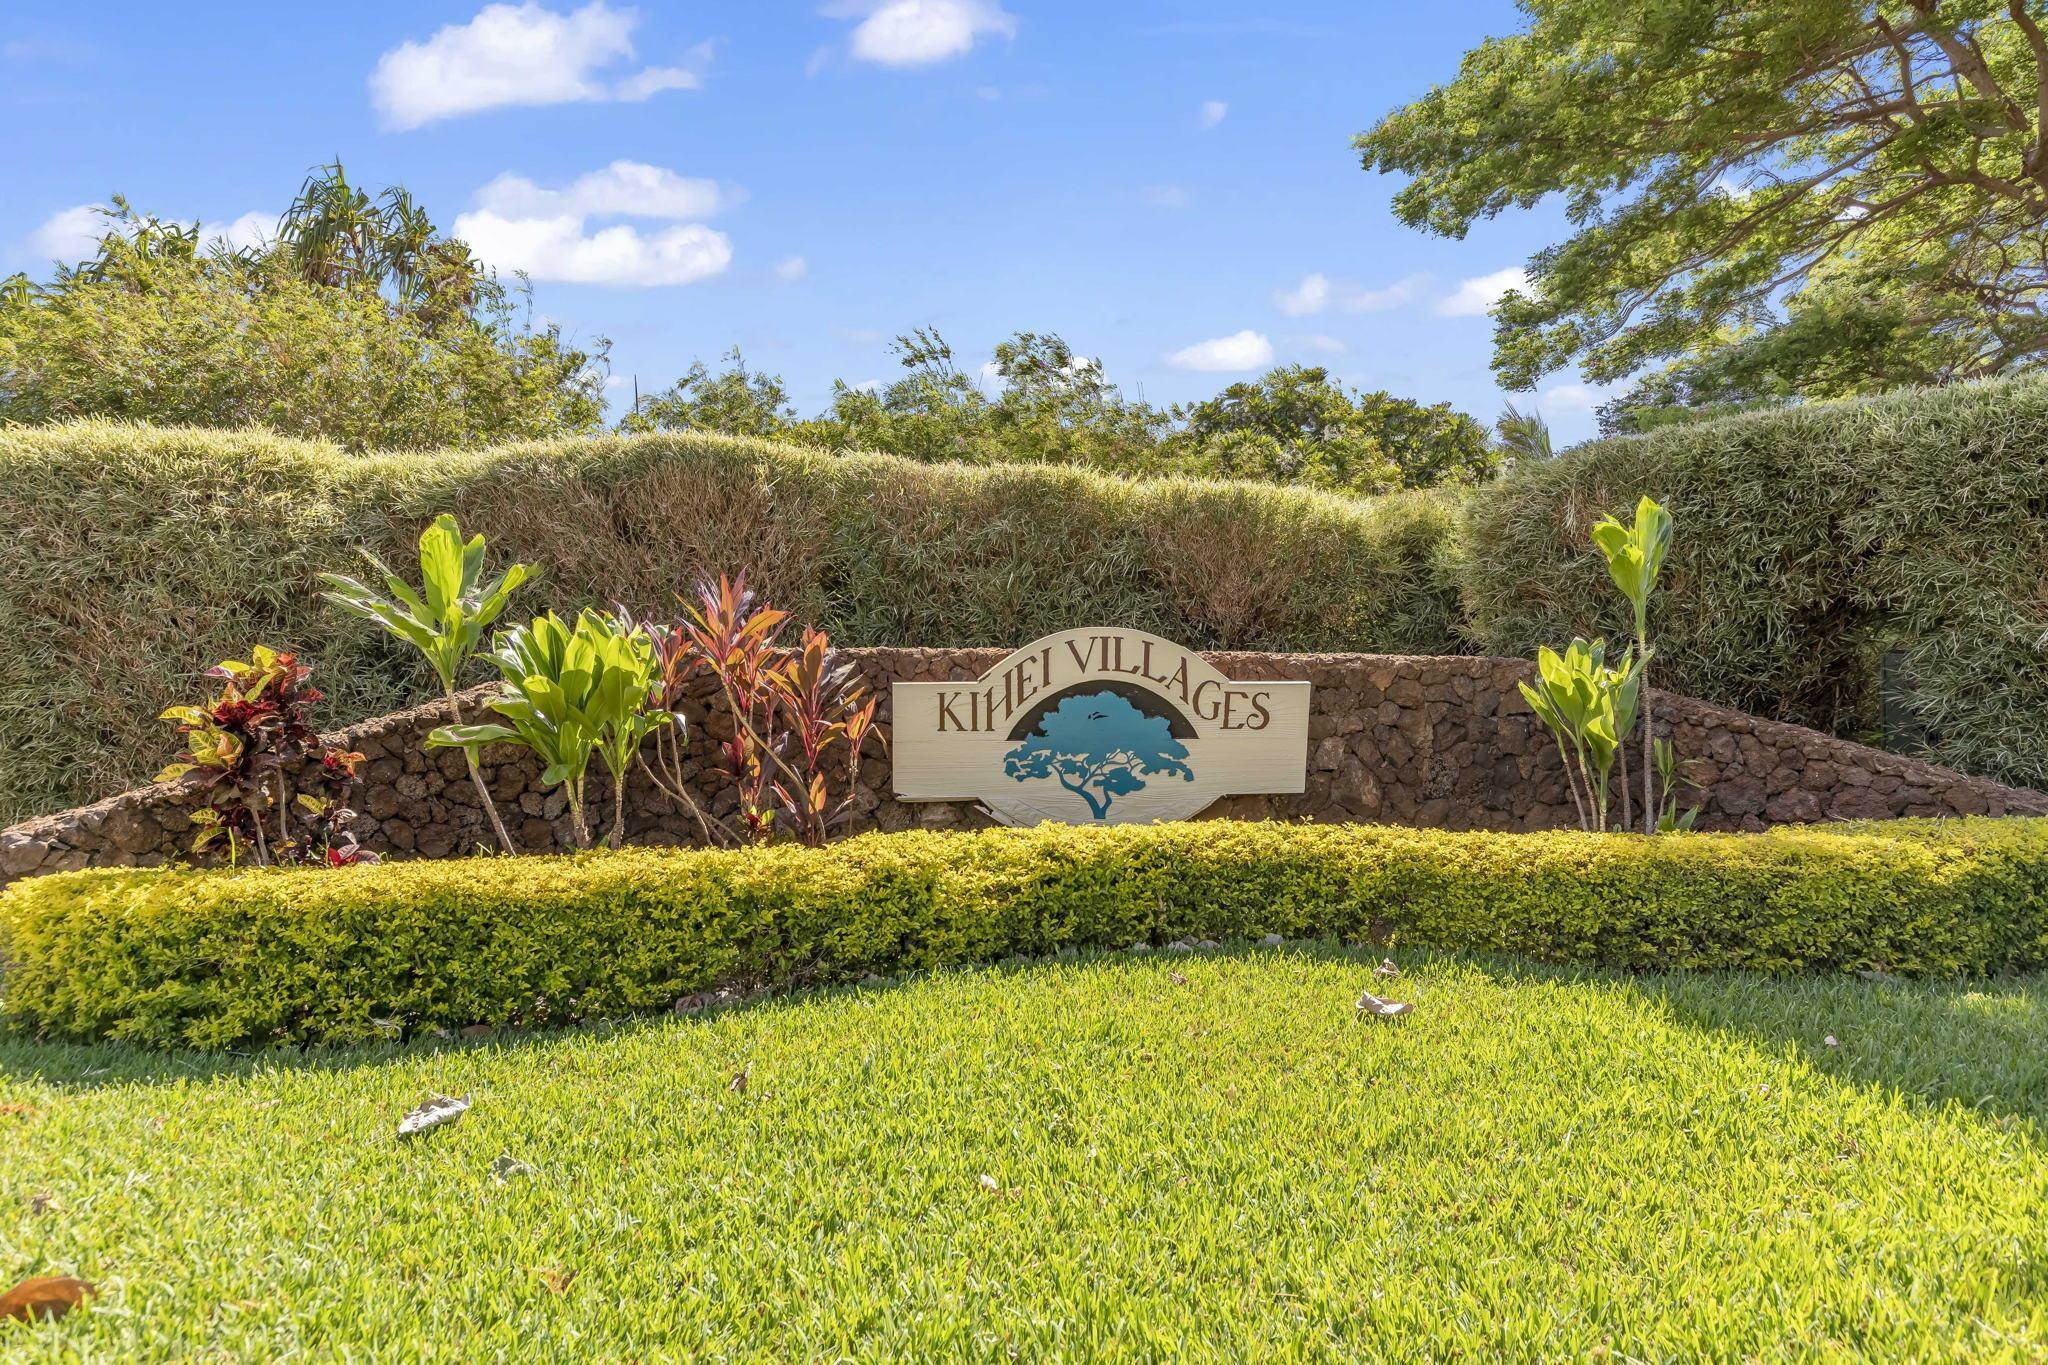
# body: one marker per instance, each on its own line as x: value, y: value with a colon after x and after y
x: 799, y: 720
x: 246, y: 744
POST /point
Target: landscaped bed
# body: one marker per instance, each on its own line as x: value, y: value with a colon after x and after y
x: 1206, y: 1152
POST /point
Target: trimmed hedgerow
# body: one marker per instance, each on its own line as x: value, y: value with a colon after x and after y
x: 137, y: 557
x: 1811, y: 541
x: 261, y: 957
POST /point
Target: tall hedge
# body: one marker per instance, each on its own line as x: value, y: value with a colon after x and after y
x: 134, y: 558
x: 1810, y: 542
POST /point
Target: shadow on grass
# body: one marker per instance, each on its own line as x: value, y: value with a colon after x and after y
x: 1981, y: 1044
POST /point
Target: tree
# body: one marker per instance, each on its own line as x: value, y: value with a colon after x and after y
x: 1099, y: 747
x: 357, y: 322
x: 1295, y: 424
x: 1805, y: 198
x: 736, y: 401
x: 1525, y: 436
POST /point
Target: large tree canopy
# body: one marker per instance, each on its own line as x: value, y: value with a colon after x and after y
x: 1799, y: 197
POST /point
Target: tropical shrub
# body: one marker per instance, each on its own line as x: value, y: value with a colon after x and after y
x: 270, y: 957
x: 445, y: 620
x: 1590, y: 709
x: 246, y: 748
x: 571, y: 691
x: 798, y: 718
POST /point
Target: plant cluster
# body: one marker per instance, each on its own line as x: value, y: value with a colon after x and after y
x: 800, y: 721
x: 1591, y: 705
x: 283, y: 957
x: 275, y: 792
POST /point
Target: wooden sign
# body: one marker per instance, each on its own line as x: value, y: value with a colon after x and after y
x: 1098, y: 726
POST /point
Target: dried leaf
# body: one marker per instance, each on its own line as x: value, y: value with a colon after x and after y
x: 989, y: 1182
x: 505, y: 1169
x: 738, y: 1083
x: 1831, y: 1041
x: 1386, y: 968
x: 43, y: 1298
x: 1371, y: 1004
x: 435, y: 1112
x: 557, y: 1281
x: 18, y: 1109
x: 42, y: 1201
x: 1176, y: 978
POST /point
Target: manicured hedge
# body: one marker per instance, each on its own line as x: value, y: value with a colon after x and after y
x: 137, y: 557
x: 242, y: 958
x: 1810, y: 542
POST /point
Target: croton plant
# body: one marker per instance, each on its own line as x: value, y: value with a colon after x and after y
x: 275, y: 792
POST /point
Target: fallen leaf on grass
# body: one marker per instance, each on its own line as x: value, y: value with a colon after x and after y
x: 505, y: 1169
x: 1370, y: 1004
x: 1831, y: 1041
x: 738, y: 1083
x: 557, y: 1281
x: 1386, y: 968
x: 18, y: 1109
x: 989, y: 1182
x: 42, y: 1201
x: 43, y: 1298
x: 1176, y: 978
x: 435, y: 1112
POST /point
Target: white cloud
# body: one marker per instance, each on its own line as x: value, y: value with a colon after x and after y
x: 518, y: 54
x: 1212, y: 113
x: 1246, y: 350
x: 1476, y: 297
x: 1325, y: 345
x: 819, y: 59
x: 1165, y: 196
x: 1317, y: 292
x: 921, y: 32
x: 792, y: 269
x: 1562, y: 399
x: 251, y: 229
x: 74, y: 234
x: 631, y: 189
x: 518, y: 225
x: 70, y: 235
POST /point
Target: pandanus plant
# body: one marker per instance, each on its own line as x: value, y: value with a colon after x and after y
x: 571, y: 691
x: 445, y: 619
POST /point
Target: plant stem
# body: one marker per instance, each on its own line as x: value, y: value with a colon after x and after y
x: 476, y: 777
x: 1565, y: 761
x: 1649, y: 770
x: 1628, y: 819
x: 578, y: 829
x: 618, y: 834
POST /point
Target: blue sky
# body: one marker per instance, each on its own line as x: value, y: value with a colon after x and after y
x: 1168, y: 186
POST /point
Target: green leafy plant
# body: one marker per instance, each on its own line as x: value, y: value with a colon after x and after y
x: 1670, y: 819
x: 246, y: 746
x: 444, y: 620
x: 1590, y: 707
x: 1635, y: 556
x: 571, y: 691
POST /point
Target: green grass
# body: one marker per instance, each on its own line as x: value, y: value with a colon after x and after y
x: 1537, y: 1163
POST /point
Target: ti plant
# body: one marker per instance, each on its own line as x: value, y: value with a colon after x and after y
x: 1590, y: 707
x: 445, y: 620
x: 245, y: 746
x: 800, y: 720
x: 571, y: 691
x: 1635, y: 557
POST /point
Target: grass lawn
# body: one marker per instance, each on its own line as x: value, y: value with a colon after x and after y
x: 1079, y: 1158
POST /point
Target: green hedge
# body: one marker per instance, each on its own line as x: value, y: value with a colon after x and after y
x: 1810, y: 542
x: 217, y: 959
x: 137, y: 557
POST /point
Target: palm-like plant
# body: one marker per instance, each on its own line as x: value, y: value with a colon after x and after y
x: 570, y: 692
x: 444, y: 620
x: 1635, y: 556
x: 1590, y: 707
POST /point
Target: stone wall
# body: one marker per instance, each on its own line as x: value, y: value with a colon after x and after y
x: 1442, y: 741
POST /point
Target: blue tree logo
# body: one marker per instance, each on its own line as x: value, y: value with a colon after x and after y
x: 1099, y: 747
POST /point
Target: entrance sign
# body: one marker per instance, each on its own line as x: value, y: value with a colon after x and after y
x: 1098, y: 726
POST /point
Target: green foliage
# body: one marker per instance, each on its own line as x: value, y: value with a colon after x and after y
x: 1804, y: 198
x: 260, y: 957
x: 1208, y: 1154
x: 358, y: 323
x: 446, y: 619
x: 1590, y: 708
x: 1817, y: 539
x: 571, y: 691
x: 139, y: 557
x: 1297, y: 425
